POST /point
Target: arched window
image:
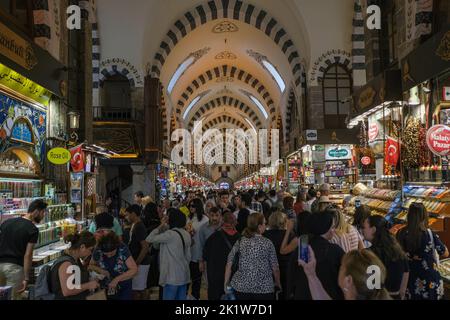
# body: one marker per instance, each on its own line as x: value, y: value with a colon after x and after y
x: 337, y: 87
x: 117, y: 92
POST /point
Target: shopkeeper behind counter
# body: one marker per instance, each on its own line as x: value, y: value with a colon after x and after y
x: 17, y: 240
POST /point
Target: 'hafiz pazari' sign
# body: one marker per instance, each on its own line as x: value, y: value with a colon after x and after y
x: 16, y: 48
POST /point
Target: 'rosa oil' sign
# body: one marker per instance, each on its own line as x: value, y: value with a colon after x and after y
x: 438, y: 140
x: 59, y: 156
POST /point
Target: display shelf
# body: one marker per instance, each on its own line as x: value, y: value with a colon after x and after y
x: 435, y: 199
x: 444, y: 270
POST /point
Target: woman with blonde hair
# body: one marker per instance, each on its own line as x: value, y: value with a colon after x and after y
x: 346, y: 236
x: 257, y: 264
x: 355, y: 275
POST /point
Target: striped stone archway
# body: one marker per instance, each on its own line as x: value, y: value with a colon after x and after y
x: 230, y: 102
x: 224, y: 72
x: 233, y: 10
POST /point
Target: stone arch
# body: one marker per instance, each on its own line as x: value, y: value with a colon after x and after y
x: 233, y: 10
x: 225, y: 72
x: 228, y: 102
x: 120, y: 66
x: 330, y: 57
x: 291, y: 103
x: 225, y: 119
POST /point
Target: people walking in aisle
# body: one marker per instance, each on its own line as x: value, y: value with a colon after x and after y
x: 256, y: 204
x: 324, y: 191
x: 197, y: 219
x: 209, y: 204
x: 323, y: 203
x: 353, y: 277
x: 105, y: 222
x: 81, y: 247
x: 273, y: 198
x: 18, y: 237
x: 138, y: 199
x: 215, y: 222
x: 244, y: 212
x: 150, y: 217
x: 265, y: 204
x: 346, y: 236
x: 236, y: 203
x: 174, y: 243
x: 139, y: 249
x: 257, y: 265
x: 387, y: 248
x: 362, y: 213
x: 288, y: 205
x: 328, y: 257
x: 423, y: 248
x: 276, y: 232
x: 113, y: 260
x: 299, y: 205
x: 215, y: 255
x: 224, y: 201
x: 311, y: 196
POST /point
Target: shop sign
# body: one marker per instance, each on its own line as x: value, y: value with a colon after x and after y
x: 366, y: 98
x: 373, y: 131
x: 338, y: 153
x: 311, y: 135
x: 16, y: 48
x: 438, y: 140
x: 366, y: 161
x: 59, y: 156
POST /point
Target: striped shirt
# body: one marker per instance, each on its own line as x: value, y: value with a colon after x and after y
x: 349, y: 241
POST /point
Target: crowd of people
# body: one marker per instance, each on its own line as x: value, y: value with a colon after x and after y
x: 245, y: 245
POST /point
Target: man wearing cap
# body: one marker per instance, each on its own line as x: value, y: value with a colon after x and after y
x: 328, y: 256
x: 324, y: 192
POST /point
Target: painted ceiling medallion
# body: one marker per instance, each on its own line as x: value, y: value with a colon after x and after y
x: 225, y: 26
x: 224, y: 79
x: 200, y: 53
x: 226, y: 55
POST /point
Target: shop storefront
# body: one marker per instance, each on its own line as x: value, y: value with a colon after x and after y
x: 329, y: 156
x: 426, y: 138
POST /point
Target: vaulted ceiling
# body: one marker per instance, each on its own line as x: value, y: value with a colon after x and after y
x: 227, y: 63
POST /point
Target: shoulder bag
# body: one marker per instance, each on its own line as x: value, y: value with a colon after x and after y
x: 435, y: 253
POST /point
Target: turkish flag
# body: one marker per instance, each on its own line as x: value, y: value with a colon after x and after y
x: 77, y: 161
x: 392, y: 152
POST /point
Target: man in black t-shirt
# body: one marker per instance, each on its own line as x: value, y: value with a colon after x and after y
x: 17, y: 239
x: 139, y: 249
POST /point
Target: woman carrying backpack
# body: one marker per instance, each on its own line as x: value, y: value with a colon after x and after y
x: 81, y: 246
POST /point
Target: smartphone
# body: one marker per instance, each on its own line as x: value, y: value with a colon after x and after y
x: 357, y: 203
x: 303, y: 248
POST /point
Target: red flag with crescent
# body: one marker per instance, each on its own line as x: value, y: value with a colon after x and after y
x: 392, y: 151
x: 77, y: 160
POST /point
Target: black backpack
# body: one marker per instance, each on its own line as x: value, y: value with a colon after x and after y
x: 43, y: 287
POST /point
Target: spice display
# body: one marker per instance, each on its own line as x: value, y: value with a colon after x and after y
x: 411, y: 144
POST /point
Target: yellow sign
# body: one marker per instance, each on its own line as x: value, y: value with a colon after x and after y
x: 59, y: 156
x: 18, y: 83
x: 16, y: 48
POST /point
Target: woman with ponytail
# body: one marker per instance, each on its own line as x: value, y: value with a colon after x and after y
x: 361, y: 277
x: 258, y: 263
x: 81, y: 247
x: 386, y: 247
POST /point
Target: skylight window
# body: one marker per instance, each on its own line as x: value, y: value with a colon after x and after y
x: 181, y: 69
x: 260, y: 106
x: 275, y: 74
x: 191, y: 105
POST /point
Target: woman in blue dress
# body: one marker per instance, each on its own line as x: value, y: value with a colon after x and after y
x: 421, y: 246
